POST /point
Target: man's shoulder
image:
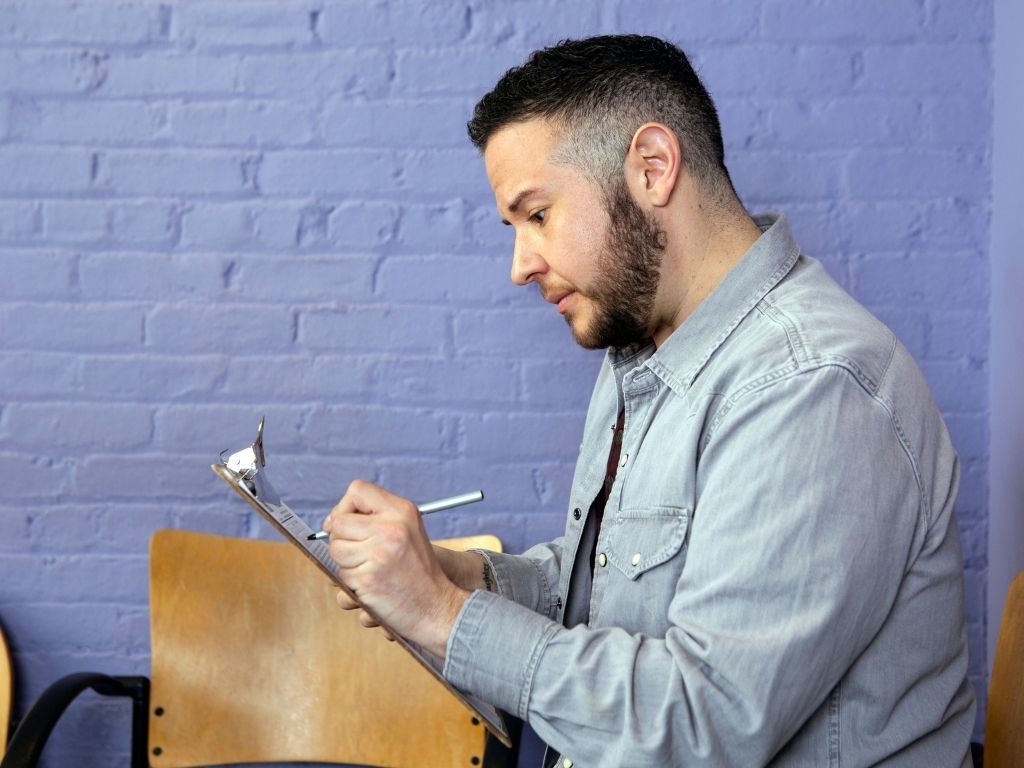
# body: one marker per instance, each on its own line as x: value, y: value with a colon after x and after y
x: 825, y: 325
x: 805, y: 323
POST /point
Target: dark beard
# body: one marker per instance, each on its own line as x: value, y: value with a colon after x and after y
x: 623, y: 296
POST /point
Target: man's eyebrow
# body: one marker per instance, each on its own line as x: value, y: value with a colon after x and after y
x: 517, y: 201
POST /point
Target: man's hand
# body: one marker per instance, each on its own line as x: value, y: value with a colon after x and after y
x: 385, y: 557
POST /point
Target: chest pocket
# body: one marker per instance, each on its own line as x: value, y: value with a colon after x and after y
x: 642, y: 539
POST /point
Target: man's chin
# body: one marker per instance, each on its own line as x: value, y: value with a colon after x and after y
x: 587, y: 343
x: 578, y: 333
x: 583, y: 334
x: 602, y: 335
x: 599, y: 331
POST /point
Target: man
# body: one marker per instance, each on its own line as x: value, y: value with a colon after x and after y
x: 760, y: 563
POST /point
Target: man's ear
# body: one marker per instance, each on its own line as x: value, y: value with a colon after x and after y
x: 653, y: 163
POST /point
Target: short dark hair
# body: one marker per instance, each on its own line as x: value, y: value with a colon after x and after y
x: 599, y: 90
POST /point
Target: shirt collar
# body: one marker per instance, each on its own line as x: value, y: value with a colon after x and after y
x: 680, y: 359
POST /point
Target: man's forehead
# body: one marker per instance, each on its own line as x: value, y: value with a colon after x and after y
x: 519, y: 145
x: 518, y: 159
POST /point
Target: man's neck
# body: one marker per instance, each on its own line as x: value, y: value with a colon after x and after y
x: 705, y: 252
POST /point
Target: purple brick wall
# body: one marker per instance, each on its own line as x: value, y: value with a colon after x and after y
x: 215, y: 210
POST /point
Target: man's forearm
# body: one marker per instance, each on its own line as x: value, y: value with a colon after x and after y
x: 468, y: 570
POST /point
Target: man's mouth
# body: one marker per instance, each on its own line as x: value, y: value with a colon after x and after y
x: 560, y: 299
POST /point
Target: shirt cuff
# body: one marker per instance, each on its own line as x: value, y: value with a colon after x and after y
x: 522, y: 581
x: 494, y: 649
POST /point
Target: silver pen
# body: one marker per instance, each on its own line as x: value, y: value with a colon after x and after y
x: 425, y: 509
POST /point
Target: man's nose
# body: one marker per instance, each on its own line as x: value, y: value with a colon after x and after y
x: 527, y: 263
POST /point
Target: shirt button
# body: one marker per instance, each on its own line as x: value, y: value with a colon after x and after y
x: 636, y: 558
x: 625, y: 458
x: 576, y: 514
x: 566, y: 762
x: 602, y: 560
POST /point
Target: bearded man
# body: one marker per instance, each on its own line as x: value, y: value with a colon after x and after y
x: 760, y: 563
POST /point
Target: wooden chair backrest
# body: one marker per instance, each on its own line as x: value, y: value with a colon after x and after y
x: 6, y: 692
x: 1004, y: 723
x: 252, y: 661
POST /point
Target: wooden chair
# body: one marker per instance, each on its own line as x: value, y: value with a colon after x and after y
x: 252, y: 661
x: 1004, y: 723
x: 6, y: 692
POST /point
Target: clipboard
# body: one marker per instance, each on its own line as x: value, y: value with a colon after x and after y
x: 245, y: 472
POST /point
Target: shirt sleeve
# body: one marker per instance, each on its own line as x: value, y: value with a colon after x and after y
x: 529, y: 579
x: 808, y: 512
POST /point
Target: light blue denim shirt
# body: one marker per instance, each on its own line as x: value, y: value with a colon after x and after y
x: 778, y: 577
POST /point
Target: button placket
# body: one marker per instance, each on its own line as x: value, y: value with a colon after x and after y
x: 638, y: 389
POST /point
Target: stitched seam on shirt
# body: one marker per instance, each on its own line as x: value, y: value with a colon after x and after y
x: 626, y: 355
x: 894, y: 420
x: 732, y: 400
x: 897, y: 425
x: 866, y: 381
x: 531, y: 670
x: 892, y: 356
x: 501, y: 585
x: 682, y: 384
x: 770, y: 282
x: 452, y: 652
x: 545, y: 590
x: 844, y: 364
x: 834, y: 735
x: 797, y: 345
x: 643, y: 389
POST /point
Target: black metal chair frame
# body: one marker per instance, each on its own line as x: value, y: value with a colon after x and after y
x: 29, y: 738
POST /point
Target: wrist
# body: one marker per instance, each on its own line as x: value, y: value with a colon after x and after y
x: 469, y: 570
x: 435, y: 635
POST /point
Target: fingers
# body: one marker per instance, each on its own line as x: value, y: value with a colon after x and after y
x: 347, y: 553
x: 380, y: 547
x: 365, y: 498
x: 348, y: 604
x: 345, y: 602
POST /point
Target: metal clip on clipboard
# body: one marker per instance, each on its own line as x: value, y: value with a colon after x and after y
x: 245, y: 472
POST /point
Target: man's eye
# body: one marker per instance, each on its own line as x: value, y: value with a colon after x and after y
x: 539, y: 215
